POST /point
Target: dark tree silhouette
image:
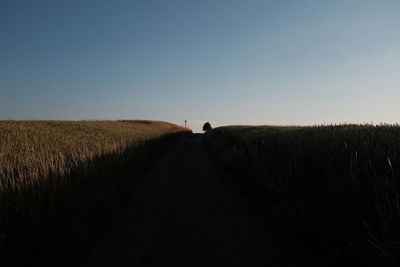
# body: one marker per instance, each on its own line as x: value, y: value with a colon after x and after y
x: 207, y: 127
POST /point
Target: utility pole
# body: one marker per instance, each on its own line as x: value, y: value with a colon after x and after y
x: 185, y: 122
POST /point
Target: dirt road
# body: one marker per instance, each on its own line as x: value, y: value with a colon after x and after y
x: 187, y: 212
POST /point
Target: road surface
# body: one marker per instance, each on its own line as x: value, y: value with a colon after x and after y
x: 187, y: 212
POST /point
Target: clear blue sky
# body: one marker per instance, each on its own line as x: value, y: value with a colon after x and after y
x: 228, y: 62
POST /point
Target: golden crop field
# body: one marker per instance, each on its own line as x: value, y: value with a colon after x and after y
x: 55, y: 175
x: 33, y: 150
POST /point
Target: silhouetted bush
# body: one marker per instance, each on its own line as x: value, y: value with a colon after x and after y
x: 207, y: 127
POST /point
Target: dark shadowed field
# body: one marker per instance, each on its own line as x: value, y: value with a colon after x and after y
x: 335, y: 188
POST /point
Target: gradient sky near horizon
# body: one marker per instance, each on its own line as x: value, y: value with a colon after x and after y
x: 228, y: 62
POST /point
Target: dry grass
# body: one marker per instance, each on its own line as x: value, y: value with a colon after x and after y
x: 33, y: 150
x: 336, y: 188
x: 58, y: 177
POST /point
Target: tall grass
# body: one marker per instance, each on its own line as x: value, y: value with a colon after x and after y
x: 55, y: 174
x: 335, y: 188
x: 31, y: 150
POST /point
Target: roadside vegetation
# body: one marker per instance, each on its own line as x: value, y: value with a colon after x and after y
x: 58, y: 179
x: 335, y: 189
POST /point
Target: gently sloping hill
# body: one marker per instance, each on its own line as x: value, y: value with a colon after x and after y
x: 187, y: 212
x: 54, y: 174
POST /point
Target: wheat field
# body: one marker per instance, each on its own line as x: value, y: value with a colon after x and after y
x: 57, y: 178
x: 335, y: 187
x: 33, y: 150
